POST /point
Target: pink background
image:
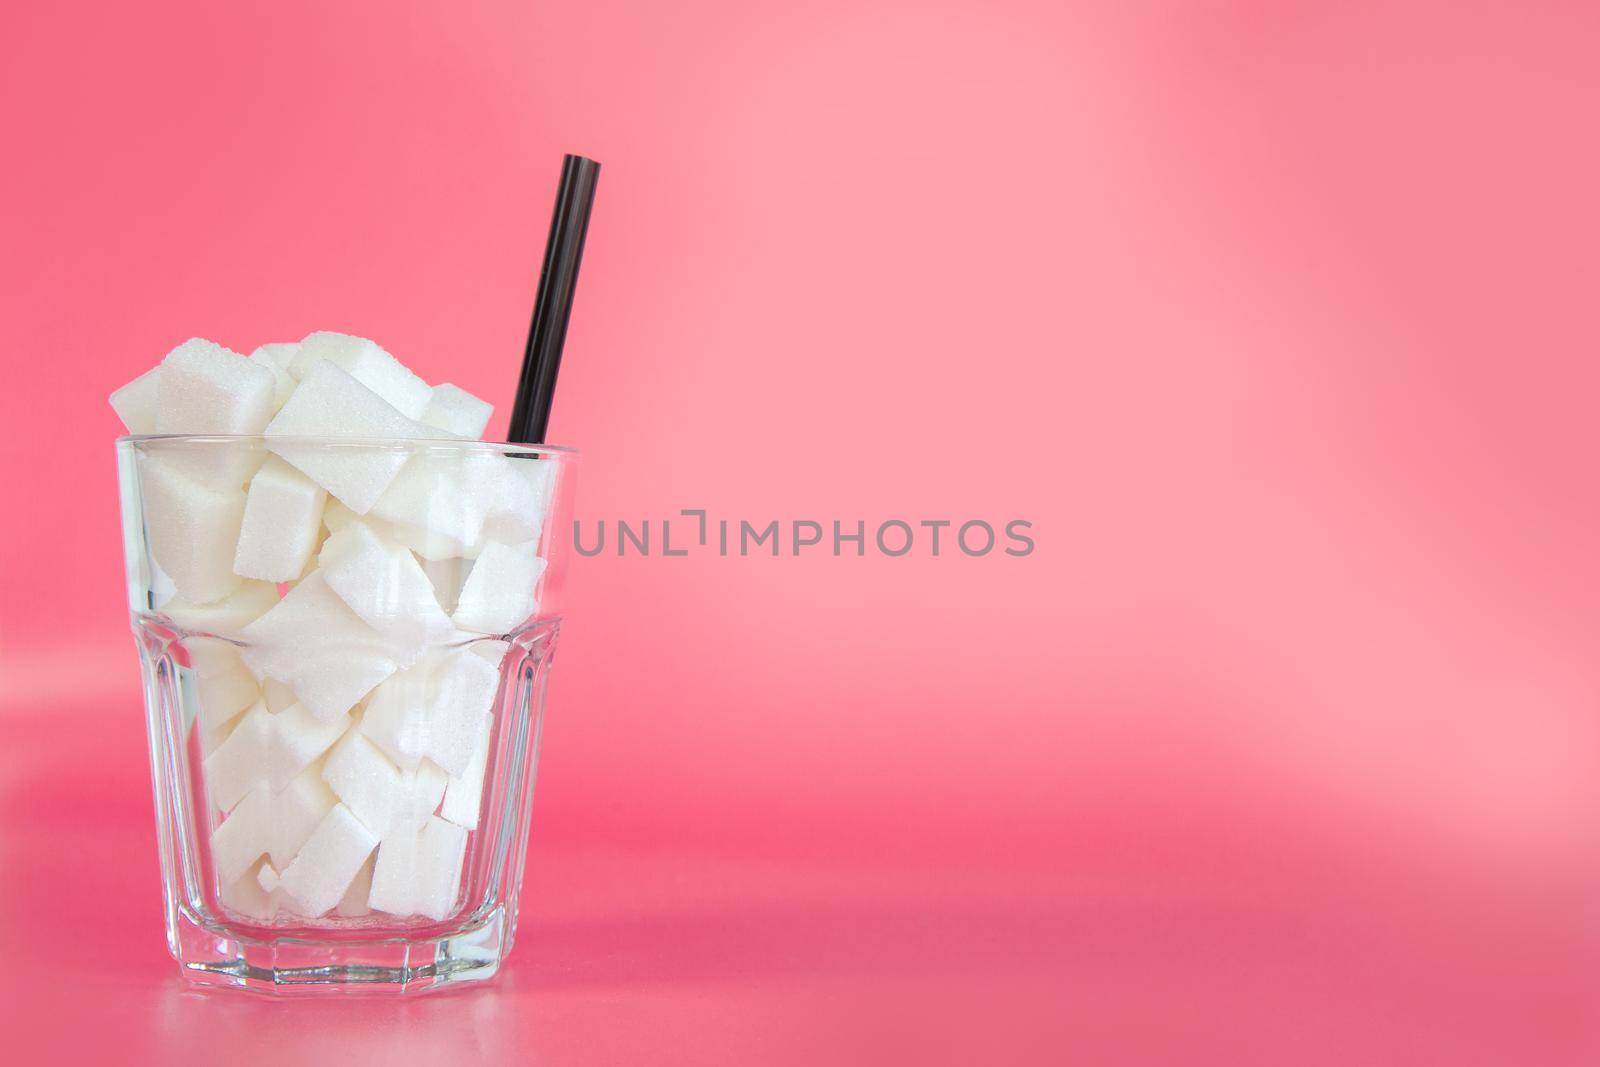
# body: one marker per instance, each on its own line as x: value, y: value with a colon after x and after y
x: 1276, y: 320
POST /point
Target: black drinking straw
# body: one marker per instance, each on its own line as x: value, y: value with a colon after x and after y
x: 563, y: 252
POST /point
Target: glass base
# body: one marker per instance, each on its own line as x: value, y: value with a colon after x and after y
x: 288, y: 966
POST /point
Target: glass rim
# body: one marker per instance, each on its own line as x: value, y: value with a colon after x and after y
x: 406, y: 443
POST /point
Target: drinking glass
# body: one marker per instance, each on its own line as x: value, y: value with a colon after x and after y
x: 343, y: 759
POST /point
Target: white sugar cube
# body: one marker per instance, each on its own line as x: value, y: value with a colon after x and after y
x: 464, y: 794
x: 420, y: 872
x: 298, y: 738
x: 437, y: 504
x: 382, y: 795
x: 207, y: 389
x: 327, y: 683
x: 296, y: 811
x: 266, y: 876
x: 441, y: 846
x: 448, y: 576
x: 192, y: 530
x: 226, y: 616
x: 491, y: 652
x: 135, y: 403
x: 524, y: 491
x: 329, y: 861
x: 277, y: 695
x: 461, y: 691
x: 396, y: 716
x: 354, y: 901
x: 438, y: 710
x: 242, y: 837
x: 220, y: 697
x: 226, y: 619
x: 276, y: 361
x: 501, y: 592
x: 368, y: 364
x: 330, y: 403
x: 279, y: 354
x: 212, y: 738
x: 454, y: 409
x: 246, y: 896
x: 364, y: 778
x: 282, y: 521
x: 385, y: 588
x: 335, y: 516
x: 210, y: 656
x: 423, y: 789
x: 394, y: 873
x: 427, y: 543
x: 239, y: 764
x: 316, y: 644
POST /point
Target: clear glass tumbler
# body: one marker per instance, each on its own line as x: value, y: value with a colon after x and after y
x: 345, y: 645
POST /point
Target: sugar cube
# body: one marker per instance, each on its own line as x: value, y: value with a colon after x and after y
x: 396, y: 716
x: 279, y: 354
x: 212, y: 738
x: 296, y: 811
x: 335, y: 517
x: 364, y: 778
x: 239, y: 764
x: 460, y: 693
x: 278, y: 695
x: 329, y: 861
x: 458, y: 411
x: 368, y: 364
x: 354, y: 901
x: 441, y: 846
x: 385, y: 588
x: 135, y: 403
x: 523, y: 491
x: 500, y: 593
x: 491, y: 652
x: 438, y: 709
x: 394, y: 873
x: 297, y: 738
x: 222, y: 696
x: 330, y: 403
x: 192, y: 530
x: 464, y: 794
x: 266, y: 876
x: 246, y: 896
x: 210, y: 655
x: 437, y: 504
x: 327, y: 683
x: 204, y: 388
x: 316, y: 644
x: 226, y: 616
x: 242, y: 837
x: 276, y: 361
x: 448, y: 576
x: 383, y: 796
x: 423, y: 790
x: 420, y: 871
x: 282, y: 520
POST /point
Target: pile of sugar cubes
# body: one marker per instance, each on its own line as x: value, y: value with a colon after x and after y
x: 345, y: 611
